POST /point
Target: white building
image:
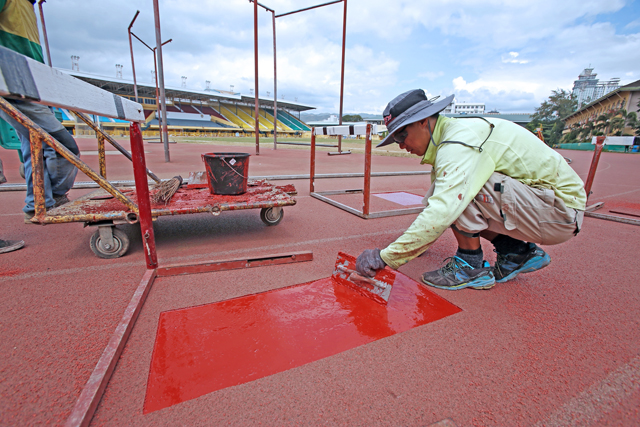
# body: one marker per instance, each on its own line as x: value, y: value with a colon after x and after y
x: 464, y: 108
x: 587, y: 88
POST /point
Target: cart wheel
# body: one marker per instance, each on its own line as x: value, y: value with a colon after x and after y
x: 119, y: 247
x: 22, y: 170
x: 271, y: 216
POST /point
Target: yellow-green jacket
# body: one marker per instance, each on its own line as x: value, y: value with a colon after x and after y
x: 19, y: 28
x: 460, y: 171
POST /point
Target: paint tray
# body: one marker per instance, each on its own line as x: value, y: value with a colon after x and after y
x: 377, y: 288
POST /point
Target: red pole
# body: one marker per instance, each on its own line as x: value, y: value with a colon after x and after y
x: 133, y: 65
x: 142, y: 193
x: 344, y: 42
x: 594, y: 164
x: 312, y: 172
x: 44, y: 32
x: 367, y: 172
x: 255, y: 52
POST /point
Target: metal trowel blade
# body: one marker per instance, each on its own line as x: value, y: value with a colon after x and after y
x: 377, y: 288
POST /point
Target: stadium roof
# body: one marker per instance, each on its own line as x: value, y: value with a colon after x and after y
x: 145, y: 90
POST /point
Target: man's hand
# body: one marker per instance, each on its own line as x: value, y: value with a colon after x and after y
x: 369, y: 262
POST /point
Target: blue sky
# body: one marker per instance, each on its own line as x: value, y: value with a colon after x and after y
x: 508, y: 54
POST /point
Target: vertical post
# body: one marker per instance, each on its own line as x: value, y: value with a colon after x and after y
x: 44, y: 32
x: 160, y: 119
x: 344, y: 42
x: 37, y: 169
x: 101, y: 157
x: 142, y: 192
x: 312, y: 172
x: 594, y: 164
x: 255, y: 54
x: 275, y: 85
x: 367, y: 173
x: 156, y: 12
x: 133, y: 65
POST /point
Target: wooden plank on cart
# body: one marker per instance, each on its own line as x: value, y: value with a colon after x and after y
x: 25, y: 78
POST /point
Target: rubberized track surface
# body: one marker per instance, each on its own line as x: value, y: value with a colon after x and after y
x: 557, y: 347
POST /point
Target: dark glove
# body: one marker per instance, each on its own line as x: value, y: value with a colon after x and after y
x: 369, y: 262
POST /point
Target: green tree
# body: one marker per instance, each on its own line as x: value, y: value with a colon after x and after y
x: 352, y: 118
x: 551, y: 112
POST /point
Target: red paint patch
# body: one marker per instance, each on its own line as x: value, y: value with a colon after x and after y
x: 11, y: 273
x: 459, y: 196
x: 202, y: 349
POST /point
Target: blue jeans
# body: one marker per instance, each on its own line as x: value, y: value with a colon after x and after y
x: 59, y: 173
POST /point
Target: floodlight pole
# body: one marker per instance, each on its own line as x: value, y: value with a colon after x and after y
x: 44, y: 32
x: 133, y: 65
x: 255, y: 52
x: 163, y: 104
x: 275, y: 85
x: 344, y: 41
x: 155, y: 67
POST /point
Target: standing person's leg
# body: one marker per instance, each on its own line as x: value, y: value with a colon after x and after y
x: 59, y: 174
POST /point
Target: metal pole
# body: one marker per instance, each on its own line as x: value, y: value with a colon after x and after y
x: 255, y: 54
x: 367, y: 173
x: 344, y: 40
x: 44, y: 32
x: 133, y: 65
x: 275, y: 85
x: 594, y: 164
x: 309, y: 8
x: 312, y: 171
x: 160, y: 119
x: 156, y: 12
x: 142, y: 192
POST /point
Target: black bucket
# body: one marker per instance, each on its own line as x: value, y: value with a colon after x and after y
x: 227, y: 172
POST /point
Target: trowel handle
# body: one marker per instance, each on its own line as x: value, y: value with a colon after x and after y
x: 354, y: 275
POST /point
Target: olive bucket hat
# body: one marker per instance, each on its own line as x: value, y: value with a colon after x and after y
x: 407, y: 108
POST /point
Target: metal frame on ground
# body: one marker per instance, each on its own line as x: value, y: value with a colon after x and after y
x: 366, y: 191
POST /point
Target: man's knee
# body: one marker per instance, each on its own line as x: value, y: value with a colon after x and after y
x: 64, y: 137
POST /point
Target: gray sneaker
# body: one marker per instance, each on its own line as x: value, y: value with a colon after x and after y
x: 458, y: 274
x: 10, y: 245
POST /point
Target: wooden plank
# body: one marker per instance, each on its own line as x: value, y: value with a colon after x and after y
x: 53, y: 87
x: 92, y: 393
x: 210, y: 266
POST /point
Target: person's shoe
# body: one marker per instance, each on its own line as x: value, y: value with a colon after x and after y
x: 10, y: 245
x: 508, y: 266
x: 458, y: 274
x: 28, y: 216
x: 60, y: 200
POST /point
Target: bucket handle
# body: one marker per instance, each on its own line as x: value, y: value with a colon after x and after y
x: 231, y: 167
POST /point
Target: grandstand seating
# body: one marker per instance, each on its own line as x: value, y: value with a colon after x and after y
x: 212, y: 112
x: 290, y: 121
x: 281, y: 126
x: 188, y: 109
x: 247, y: 115
x: 264, y: 122
x: 173, y: 109
x: 228, y: 111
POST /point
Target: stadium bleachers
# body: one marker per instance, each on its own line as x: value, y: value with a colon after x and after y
x: 212, y: 112
x: 173, y: 109
x: 281, y: 126
x: 264, y: 123
x: 188, y: 109
x: 228, y: 111
x: 290, y: 120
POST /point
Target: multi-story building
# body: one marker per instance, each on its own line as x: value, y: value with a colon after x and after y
x: 587, y: 88
x: 464, y: 108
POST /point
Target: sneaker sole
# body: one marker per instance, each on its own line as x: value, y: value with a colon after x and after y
x: 476, y: 284
x: 533, y: 264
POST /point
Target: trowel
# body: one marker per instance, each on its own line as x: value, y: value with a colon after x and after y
x: 377, y: 288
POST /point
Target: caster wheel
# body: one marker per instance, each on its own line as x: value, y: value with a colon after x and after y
x: 271, y: 216
x: 116, y: 250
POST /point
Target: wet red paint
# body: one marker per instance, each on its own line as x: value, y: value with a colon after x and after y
x: 202, y: 349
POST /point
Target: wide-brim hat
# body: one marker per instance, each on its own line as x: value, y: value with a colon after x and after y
x: 407, y: 108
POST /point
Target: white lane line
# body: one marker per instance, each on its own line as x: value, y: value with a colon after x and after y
x: 588, y: 407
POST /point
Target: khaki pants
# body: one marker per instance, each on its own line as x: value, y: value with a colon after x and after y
x: 525, y: 213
